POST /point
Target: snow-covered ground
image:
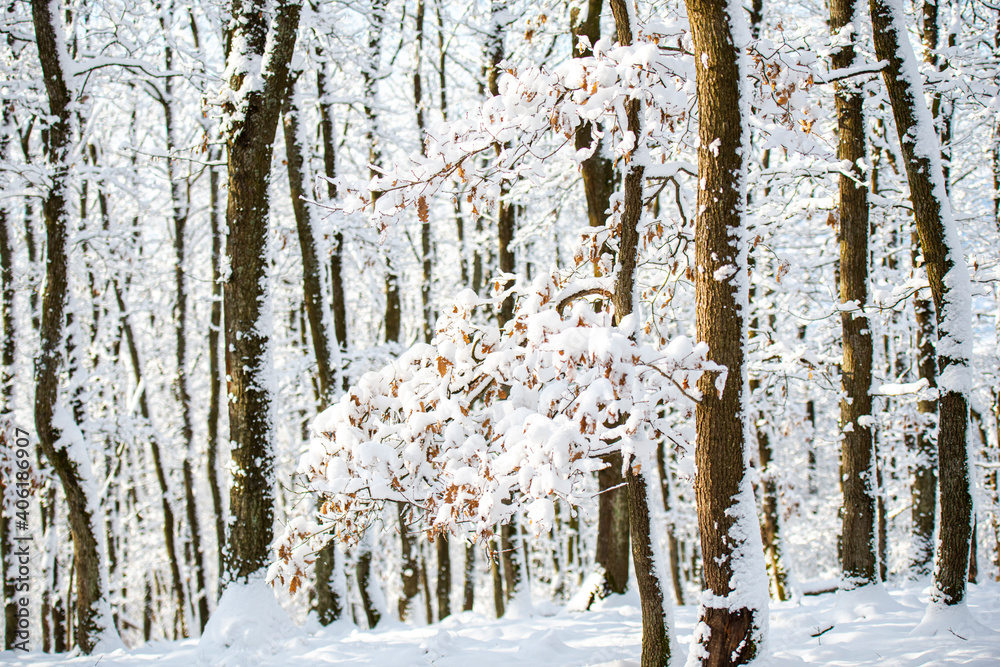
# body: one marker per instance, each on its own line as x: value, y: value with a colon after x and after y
x: 884, y: 626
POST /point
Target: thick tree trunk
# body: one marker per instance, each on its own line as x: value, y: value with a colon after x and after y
x: 443, y: 580
x: 949, y: 281
x: 857, y: 462
x: 249, y: 134
x: 50, y: 420
x: 924, y: 483
x: 732, y: 615
x: 612, y: 526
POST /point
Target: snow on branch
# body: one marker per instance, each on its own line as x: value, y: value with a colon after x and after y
x: 485, y: 422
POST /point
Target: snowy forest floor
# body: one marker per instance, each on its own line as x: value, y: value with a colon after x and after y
x: 886, y: 626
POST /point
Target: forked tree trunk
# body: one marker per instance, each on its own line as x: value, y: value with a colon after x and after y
x: 949, y: 281
x: 859, y: 553
x: 733, y: 610
x: 249, y: 133
x: 50, y: 420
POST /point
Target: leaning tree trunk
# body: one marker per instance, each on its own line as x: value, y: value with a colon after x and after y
x: 250, y: 124
x: 93, y: 617
x: 859, y: 553
x: 734, y: 606
x: 949, y: 281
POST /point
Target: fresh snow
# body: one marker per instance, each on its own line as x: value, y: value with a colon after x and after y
x: 868, y: 626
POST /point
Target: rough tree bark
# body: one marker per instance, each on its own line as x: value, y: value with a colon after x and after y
x: 251, y: 119
x: 732, y: 611
x: 949, y: 280
x: 857, y: 459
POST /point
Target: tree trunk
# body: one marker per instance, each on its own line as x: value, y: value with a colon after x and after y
x: 249, y: 132
x: 949, y: 281
x: 180, y: 215
x: 672, y: 545
x: 161, y: 477
x: 6, y: 408
x: 656, y: 642
x: 612, y: 526
x: 331, y: 586
x: 857, y: 462
x: 337, y: 252
x: 730, y: 631
x: 214, y: 370
x: 443, y: 581
x: 409, y: 566
x: 598, y: 184
x: 469, y: 587
x: 312, y: 281
x: 497, y: 577
x: 54, y: 427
